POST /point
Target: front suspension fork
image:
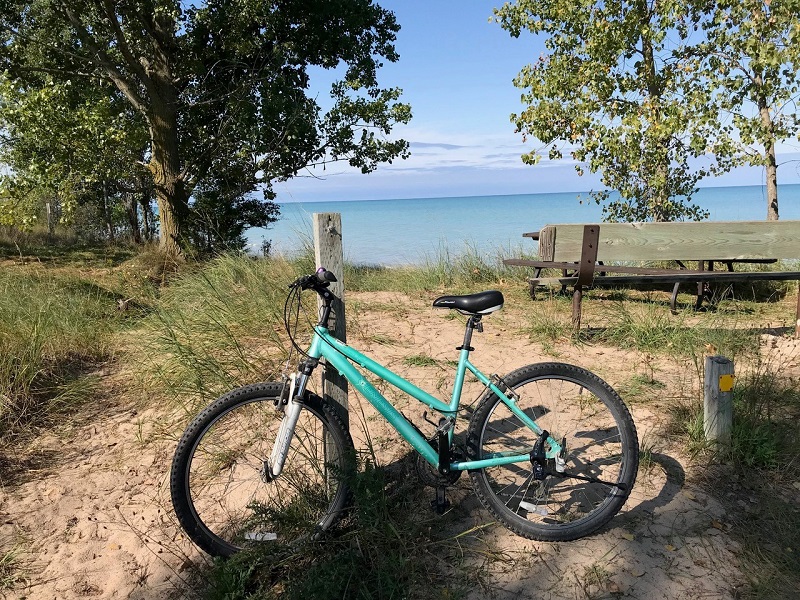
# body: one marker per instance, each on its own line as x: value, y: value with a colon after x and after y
x: 291, y: 412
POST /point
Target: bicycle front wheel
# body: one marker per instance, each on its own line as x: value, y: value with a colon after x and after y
x: 601, y: 452
x: 223, y: 497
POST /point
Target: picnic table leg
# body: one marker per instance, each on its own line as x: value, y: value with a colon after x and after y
x: 577, y: 296
x: 673, y: 301
x: 700, y: 288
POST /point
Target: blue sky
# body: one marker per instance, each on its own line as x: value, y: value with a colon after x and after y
x: 456, y: 70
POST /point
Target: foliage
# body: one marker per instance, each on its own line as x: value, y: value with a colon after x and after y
x: 606, y: 92
x: 221, y: 86
x: 637, y: 89
x: 51, y: 327
x: 219, y: 219
x: 66, y: 145
x: 747, y: 71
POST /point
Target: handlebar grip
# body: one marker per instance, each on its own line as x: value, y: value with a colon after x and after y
x: 325, y: 276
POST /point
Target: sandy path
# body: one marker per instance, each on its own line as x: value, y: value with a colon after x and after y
x: 94, y: 521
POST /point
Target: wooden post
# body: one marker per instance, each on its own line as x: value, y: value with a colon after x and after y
x: 328, y: 253
x: 718, y: 403
x: 797, y: 313
x: 577, y: 297
x: 591, y: 237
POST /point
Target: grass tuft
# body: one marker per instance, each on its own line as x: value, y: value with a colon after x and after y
x: 53, y: 330
x: 217, y: 328
x: 386, y: 550
x: 651, y: 328
x: 420, y: 360
x: 10, y: 571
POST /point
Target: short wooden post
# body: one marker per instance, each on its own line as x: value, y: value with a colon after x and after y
x: 797, y: 313
x: 718, y: 403
x: 577, y: 297
x: 328, y: 253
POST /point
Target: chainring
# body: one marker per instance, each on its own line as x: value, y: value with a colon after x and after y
x: 430, y: 476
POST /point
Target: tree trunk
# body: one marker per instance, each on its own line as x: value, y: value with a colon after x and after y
x: 659, y: 176
x: 144, y: 202
x: 51, y: 227
x: 772, y: 183
x: 109, y: 219
x: 132, y: 211
x: 771, y: 163
x: 165, y: 166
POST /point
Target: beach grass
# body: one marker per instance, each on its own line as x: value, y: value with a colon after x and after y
x: 54, y: 330
x: 217, y: 327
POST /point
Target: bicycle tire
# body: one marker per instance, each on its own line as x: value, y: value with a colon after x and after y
x: 220, y: 496
x: 572, y: 404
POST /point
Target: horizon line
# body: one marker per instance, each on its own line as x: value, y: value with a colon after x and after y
x: 579, y: 192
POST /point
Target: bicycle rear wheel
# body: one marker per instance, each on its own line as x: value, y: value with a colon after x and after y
x: 221, y: 495
x: 602, y: 453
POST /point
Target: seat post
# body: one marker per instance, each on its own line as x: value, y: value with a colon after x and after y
x: 474, y: 322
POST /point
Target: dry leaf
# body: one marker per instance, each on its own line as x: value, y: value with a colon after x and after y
x: 717, y: 525
x: 636, y: 572
x: 670, y: 547
x: 628, y: 536
x: 613, y: 588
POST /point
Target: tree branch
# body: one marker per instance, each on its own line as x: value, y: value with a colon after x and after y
x: 105, y: 62
x: 131, y: 60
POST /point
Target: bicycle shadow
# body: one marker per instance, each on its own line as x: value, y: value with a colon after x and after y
x: 403, y: 467
x: 675, y: 479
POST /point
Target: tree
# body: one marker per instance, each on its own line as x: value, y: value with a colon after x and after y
x: 220, y: 83
x: 606, y: 92
x: 748, y: 70
x: 68, y: 145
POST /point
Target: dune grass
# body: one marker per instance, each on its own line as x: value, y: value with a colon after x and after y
x: 216, y: 328
x: 53, y: 330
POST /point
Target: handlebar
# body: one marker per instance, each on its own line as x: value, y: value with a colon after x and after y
x: 318, y: 281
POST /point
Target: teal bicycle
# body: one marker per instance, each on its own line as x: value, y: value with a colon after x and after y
x: 551, y: 448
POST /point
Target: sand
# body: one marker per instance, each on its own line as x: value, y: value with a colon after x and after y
x: 90, y: 517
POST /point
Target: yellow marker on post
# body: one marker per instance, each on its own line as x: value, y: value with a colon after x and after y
x: 718, y: 399
x: 726, y: 382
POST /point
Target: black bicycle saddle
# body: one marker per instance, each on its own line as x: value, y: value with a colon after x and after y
x: 481, y: 303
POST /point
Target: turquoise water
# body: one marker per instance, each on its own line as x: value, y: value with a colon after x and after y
x: 395, y: 232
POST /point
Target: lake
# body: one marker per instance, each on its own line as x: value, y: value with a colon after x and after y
x: 407, y: 231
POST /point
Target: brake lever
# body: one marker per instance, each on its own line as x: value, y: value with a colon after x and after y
x: 299, y: 282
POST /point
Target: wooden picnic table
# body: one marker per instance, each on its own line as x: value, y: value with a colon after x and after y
x: 586, y: 254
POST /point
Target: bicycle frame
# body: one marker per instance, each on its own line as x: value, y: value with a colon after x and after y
x: 338, y: 354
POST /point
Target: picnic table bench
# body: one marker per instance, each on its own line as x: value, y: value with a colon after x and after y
x: 586, y: 254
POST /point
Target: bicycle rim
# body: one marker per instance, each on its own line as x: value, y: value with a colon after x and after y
x: 599, y: 436
x: 234, y: 504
